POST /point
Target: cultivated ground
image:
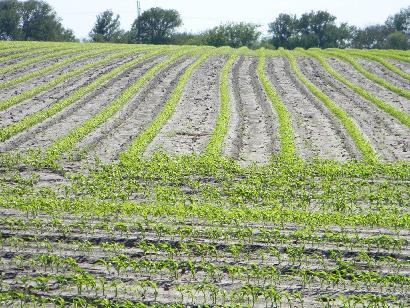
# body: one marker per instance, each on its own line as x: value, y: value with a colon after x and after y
x: 165, y: 175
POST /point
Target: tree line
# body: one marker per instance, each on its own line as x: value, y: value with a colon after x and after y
x: 36, y: 20
x: 31, y: 20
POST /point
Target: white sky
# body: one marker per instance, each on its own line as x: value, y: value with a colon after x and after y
x: 80, y: 15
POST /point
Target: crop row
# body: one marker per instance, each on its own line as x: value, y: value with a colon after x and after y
x: 49, y: 68
x: 32, y: 119
x: 370, y: 75
x: 400, y: 115
x: 49, y: 54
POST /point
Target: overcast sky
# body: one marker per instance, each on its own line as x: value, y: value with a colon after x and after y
x: 80, y: 15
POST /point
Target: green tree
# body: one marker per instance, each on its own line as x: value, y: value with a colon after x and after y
x: 371, y: 37
x: 397, y: 40
x: 31, y: 20
x: 39, y: 22
x: 400, y: 21
x: 315, y: 29
x: 234, y: 35
x: 107, y: 28
x: 185, y: 38
x: 284, y: 31
x: 9, y: 20
x: 155, y: 26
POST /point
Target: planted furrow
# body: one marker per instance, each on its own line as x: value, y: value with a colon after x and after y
x: 233, y: 141
x: 60, y: 79
x: 69, y: 140
x: 387, y: 64
x: 44, y: 70
x: 318, y: 133
x: 387, y: 135
x: 107, y: 141
x: 398, y: 110
x: 86, y: 107
x: 32, y: 83
x: 57, y: 52
x: 285, y: 130
x: 25, y: 51
x: 46, y: 99
x: 39, y: 116
x: 383, y: 72
x: 140, y: 143
x: 189, y: 128
x: 371, y: 76
x: 354, y: 131
x: 253, y: 138
x: 215, y: 144
x: 400, y: 65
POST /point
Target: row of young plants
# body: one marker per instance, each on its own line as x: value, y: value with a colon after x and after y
x: 235, y: 214
x: 371, y: 76
x: 282, y: 255
x: 86, y: 283
x: 47, y: 54
x: 215, y: 143
x: 138, y: 145
x: 253, y: 275
x: 41, y: 71
x: 276, y: 187
x: 354, y: 131
x: 403, y: 117
x: 286, y: 134
x: 254, y: 237
x: 6, y: 103
x: 67, y: 141
x: 386, y: 63
x: 275, y: 299
x: 39, y: 116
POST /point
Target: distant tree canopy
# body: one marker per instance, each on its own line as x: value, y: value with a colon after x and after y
x: 314, y: 29
x: 155, y: 26
x: 234, y: 35
x: 107, y: 28
x: 31, y: 20
x: 319, y: 29
x: 400, y: 22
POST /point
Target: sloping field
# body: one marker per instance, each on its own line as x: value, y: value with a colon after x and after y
x: 139, y: 175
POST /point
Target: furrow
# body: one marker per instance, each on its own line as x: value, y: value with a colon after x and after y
x: 192, y: 123
x: 46, y: 99
x: 113, y: 136
x: 349, y: 72
x: 388, y: 136
x: 318, y: 133
x: 85, y: 108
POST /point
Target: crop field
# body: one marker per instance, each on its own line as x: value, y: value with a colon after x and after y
x: 174, y: 176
